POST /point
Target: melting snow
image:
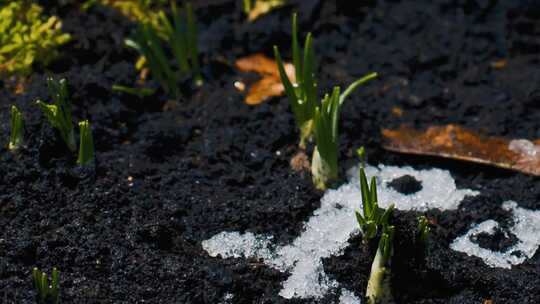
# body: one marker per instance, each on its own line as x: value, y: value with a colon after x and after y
x: 327, y: 232
x: 526, y: 228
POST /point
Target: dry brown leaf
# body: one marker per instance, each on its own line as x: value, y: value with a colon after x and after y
x: 263, y: 7
x: 270, y: 83
x: 453, y: 141
x: 499, y: 64
x: 397, y: 111
x: 300, y: 162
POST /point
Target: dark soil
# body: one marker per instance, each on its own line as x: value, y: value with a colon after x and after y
x: 130, y: 231
x: 406, y: 184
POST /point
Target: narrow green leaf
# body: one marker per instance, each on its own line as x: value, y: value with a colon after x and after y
x: 364, y: 189
x: 355, y: 85
x: 334, y: 113
x: 180, y: 40
x: 289, y: 89
x: 387, y: 244
x: 55, y: 286
x: 155, y: 47
x: 308, y: 84
x: 296, y: 50
x: 86, y: 144
x: 134, y: 45
x: 36, y: 276
x: 139, y: 92
x: 44, y: 286
x: 385, y: 218
x: 373, y: 190
x: 361, y: 221
x: 192, y: 43
x: 17, y: 129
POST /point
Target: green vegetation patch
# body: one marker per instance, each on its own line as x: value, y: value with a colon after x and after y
x: 27, y: 37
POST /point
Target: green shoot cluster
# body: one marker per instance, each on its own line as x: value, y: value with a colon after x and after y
x: 59, y: 116
x: 324, y: 163
x: 86, y: 144
x: 180, y: 37
x: 59, y: 113
x: 372, y: 217
x: 26, y: 37
x: 302, y: 93
x: 17, y: 129
x: 314, y: 119
x: 379, y: 286
x: 423, y: 228
x: 374, y: 221
x: 47, y: 293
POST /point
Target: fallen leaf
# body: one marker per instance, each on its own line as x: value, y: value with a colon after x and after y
x: 453, y: 141
x: 262, y: 7
x: 499, y: 64
x: 270, y: 83
x: 397, y: 111
x: 300, y: 162
x: 20, y: 87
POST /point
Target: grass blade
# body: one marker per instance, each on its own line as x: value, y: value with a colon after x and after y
x: 353, y: 86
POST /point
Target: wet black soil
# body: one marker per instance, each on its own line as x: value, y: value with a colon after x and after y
x: 172, y: 174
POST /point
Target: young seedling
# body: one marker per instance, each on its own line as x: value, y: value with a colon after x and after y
x: 59, y: 113
x: 324, y: 164
x: 423, y: 228
x: 301, y: 91
x: 379, y: 286
x: 372, y: 221
x: 180, y: 37
x: 17, y: 129
x: 86, y: 144
x: 372, y: 217
x: 47, y: 293
x: 361, y: 152
x: 147, y: 42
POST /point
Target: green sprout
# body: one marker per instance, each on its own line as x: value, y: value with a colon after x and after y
x: 59, y: 113
x: 180, y: 37
x: 324, y: 164
x: 379, y: 286
x: 423, y: 228
x: 372, y: 217
x: 86, y: 144
x: 361, y: 152
x: 17, y: 129
x: 27, y: 37
x: 47, y: 293
x: 302, y: 93
x: 374, y: 221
